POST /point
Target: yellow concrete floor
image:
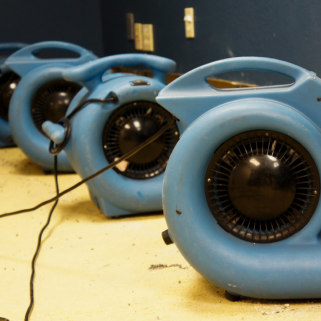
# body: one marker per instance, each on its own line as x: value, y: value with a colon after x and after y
x: 94, y: 268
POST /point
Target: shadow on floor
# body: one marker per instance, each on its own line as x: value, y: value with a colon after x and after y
x: 203, y: 290
x: 87, y: 210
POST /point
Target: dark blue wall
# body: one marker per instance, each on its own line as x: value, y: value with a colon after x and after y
x: 285, y: 29
x: 77, y: 21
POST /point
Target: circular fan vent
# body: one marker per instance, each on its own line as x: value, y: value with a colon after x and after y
x: 262, y: 186
x: 131, y: 125
x: 52, y: 101
x: 8, y: 83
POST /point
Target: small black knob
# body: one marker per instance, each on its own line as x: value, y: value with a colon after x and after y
x: 166, y: 238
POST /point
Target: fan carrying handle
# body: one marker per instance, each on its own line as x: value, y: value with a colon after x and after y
x: 196, y: 79
x: 10, y: 46
x: 28, y: 52
x: 90, y: 74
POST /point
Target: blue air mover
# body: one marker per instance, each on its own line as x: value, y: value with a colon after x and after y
x: 8, y: 83
x: 241, y: 189
x: 103, y: 132
x: 42, y: 94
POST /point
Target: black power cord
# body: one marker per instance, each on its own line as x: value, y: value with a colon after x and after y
x: 65, y: 121
x: 112, y: 98
x: 55, y: 151
x: 85, y: 180
x: 29, y: 310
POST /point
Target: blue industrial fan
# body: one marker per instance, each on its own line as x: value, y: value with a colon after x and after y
x: 42, y: 94
x: 8, y: 83
x: 103, y: 132
x: 241, y: 189
x: 7, y: 48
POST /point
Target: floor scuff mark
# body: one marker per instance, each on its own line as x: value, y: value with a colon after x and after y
x: 164, y: 266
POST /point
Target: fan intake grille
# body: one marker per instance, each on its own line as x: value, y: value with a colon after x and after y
x: 129, y: 126
x: 262, y: 186
x: 51, y: 101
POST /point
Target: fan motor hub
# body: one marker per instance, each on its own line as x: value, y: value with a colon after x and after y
x: 8, y: 91
x: 56, y: 105
x: 51, y: 101
x: 8, y: 85
x: 135, y: 132
x: 261, y: 187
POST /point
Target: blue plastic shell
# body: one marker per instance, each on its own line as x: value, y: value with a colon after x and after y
x: 113, y: 193
x: 6, y: 47
x: 4, y: 125
x: 35, y: 73
x: 286, y: 269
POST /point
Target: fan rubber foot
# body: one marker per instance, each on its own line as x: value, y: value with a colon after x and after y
x: 167, y: 239
x: 232, y: 297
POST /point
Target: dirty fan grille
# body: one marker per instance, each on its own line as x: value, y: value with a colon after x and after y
x: 129, y: 126
x: 250, y: 179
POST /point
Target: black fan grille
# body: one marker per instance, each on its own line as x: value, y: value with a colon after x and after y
x: 39, y: 109
x: 8, y: 83
x: 282, y: 147
x: 119, y: 119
